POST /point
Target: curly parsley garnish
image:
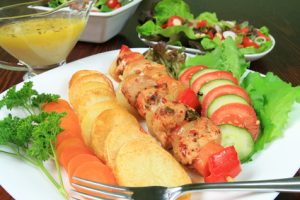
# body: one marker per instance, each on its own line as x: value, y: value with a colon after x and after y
x: 31, y: 138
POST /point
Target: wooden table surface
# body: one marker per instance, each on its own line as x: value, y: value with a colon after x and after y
x: 282, y: 18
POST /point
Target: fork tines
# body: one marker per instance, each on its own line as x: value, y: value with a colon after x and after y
x: 105, y: 191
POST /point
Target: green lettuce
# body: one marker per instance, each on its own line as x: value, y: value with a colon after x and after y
x: 149, y: 28
x: 272, y: 99
x: 224, y: 57
x: 167, y: 8
x: 211, y: 18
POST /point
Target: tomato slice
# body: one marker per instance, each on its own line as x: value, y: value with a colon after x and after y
x: 186, y: 75
x: 223, y: 90
x: 237, y: 114
x: 189, y: 98
x: 200, y: 81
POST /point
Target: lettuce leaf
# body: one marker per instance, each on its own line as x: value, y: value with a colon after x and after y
x: 166, y: 8
x: 272, y: 99
x: 149, y: 28
x: 211, y: 18
x: 224, y: 57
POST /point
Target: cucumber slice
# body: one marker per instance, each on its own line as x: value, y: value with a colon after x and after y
x: 200, y: 73
x: 211, y: 85
x: 240, y: 138
x: 223, y: 100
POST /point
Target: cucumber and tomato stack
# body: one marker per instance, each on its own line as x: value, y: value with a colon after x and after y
x: 227, y: 104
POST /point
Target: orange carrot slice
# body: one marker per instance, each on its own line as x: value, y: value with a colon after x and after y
x: 68, y: 153
x: 69, y: 121
x: 68, y: 143
x: 77, y: 160
x: 66, y: 135
x: 95, y: 171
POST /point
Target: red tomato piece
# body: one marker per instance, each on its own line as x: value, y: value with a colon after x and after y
x: 237, y: 114
x: 201, y: 162
x: 211, y: 35
x: 200, y: 81
x: 201, y: 24
x: 188, y: 73
x: 175, y: 21
x: 118, y: 6
x: 225, y: 163
x: 247, y: 42
x: 112, y: 3
x: 260, y: 34
x: 244, y: 30
x: 220, y: 91
x: 189, y: 98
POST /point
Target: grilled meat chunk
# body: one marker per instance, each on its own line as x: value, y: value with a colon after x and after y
x: 191, y: 137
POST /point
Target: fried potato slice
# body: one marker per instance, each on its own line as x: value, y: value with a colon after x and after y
x: 77, y: 75
x: 75, y: 93
x: 104, y: 123
x: 92, y: 76
x: 120, y: 136
x: 144, y: 163
x: 91, y: 97
x: 91, y: 114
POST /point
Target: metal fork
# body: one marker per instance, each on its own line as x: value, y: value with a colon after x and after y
x: 112, y: 192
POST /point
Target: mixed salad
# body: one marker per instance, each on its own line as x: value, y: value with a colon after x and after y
x: 100, y: 6
x: 176, y: 25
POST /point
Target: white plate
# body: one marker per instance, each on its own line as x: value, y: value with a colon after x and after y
x: 249, y: 57
x: 25, y: 182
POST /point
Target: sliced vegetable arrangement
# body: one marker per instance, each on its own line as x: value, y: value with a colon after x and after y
x: 176, y: 25
x: 249, y: 115
x: 100, y: 6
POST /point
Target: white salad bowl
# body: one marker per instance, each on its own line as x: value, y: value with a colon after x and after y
x: 103, y: 26
x: 249, y: 57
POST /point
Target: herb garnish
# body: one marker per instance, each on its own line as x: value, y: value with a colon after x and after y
x: 31, y: 138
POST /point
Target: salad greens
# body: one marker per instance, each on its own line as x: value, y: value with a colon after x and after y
x: 31, y: 138
x: 100, y: 5
x: 272, y: 99
x: 224, y: 57
x: 176, y: 25
x: 167, y: 8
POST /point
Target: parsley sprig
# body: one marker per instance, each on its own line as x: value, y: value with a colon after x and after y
x: 31, y: 138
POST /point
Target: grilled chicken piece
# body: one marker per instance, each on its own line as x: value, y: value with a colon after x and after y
x: 134, y: 84
x: 167, y: 118
x: 191, y: 137
x: 148, y: 99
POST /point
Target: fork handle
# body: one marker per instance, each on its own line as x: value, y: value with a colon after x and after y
x: 275, y: 185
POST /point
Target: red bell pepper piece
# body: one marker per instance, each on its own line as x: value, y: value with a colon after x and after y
x: 211, y: 35
x: 225, y: 163
x: 215, y: 179
x: 201, y: 162
x: 189, y: 98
